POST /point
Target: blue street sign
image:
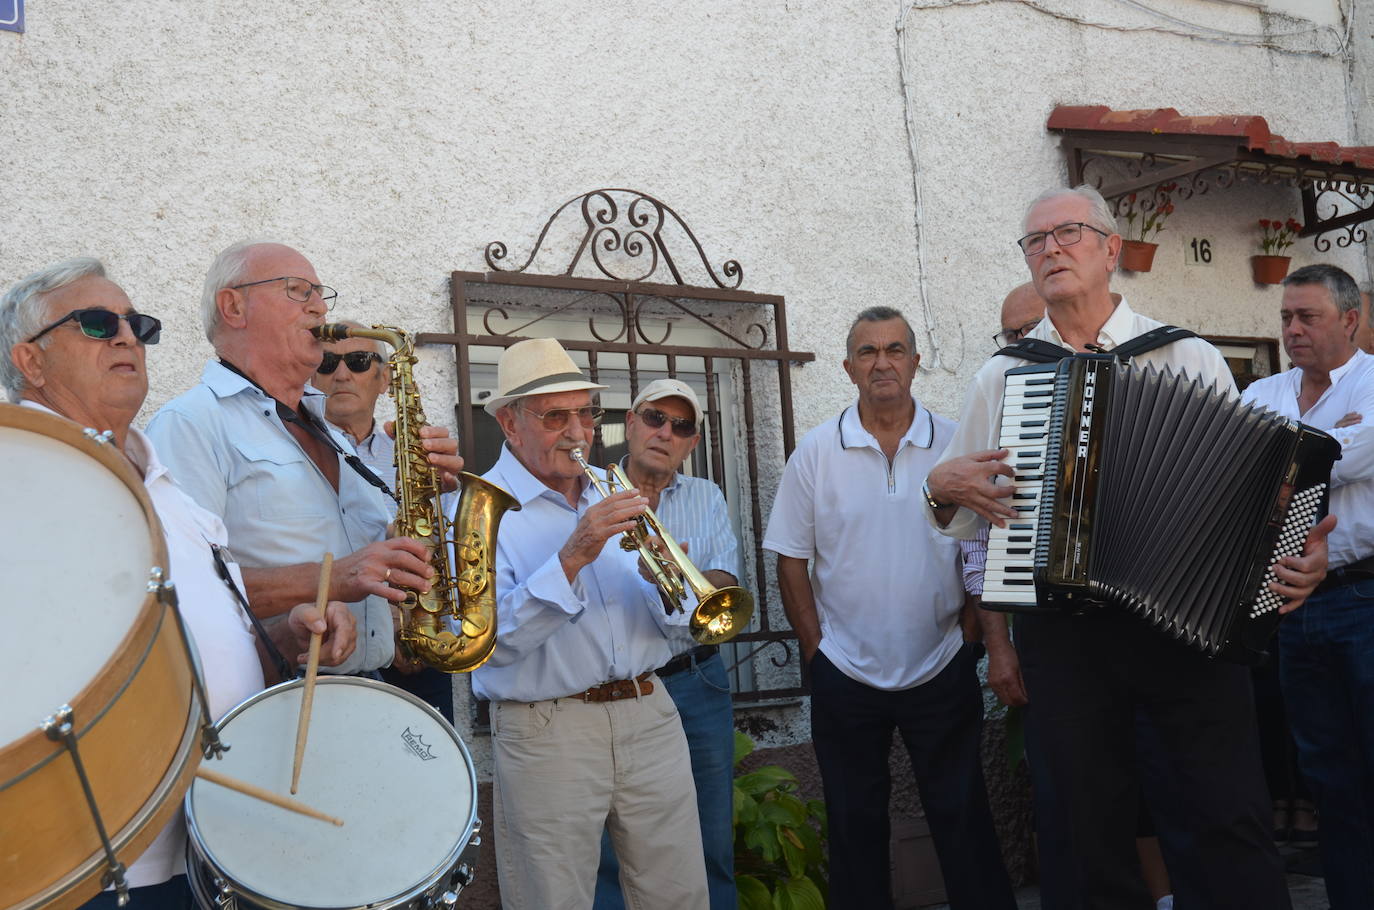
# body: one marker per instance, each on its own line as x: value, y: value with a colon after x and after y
x: 11, y: 15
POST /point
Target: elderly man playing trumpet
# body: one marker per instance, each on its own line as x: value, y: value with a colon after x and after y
x: 74, y: 346
x: 583, y: 733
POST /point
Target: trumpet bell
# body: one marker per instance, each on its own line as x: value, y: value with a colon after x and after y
x: 721, y: 615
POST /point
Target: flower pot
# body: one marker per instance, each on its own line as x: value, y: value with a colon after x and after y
x: 1137, y: 255
x: 1269, y: 269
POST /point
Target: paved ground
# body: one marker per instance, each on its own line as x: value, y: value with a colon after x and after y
x: 1308, y: 891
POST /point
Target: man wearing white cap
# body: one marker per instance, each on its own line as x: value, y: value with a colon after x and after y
x: 584, y: 736
x: 662, y: 428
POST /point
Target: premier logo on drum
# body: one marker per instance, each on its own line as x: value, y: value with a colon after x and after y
x: 417, y: 745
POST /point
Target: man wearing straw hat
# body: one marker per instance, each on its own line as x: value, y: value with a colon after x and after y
x: 583, y: 734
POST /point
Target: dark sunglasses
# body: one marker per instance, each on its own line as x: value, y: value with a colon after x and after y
x: 104, y: 325
x: 654, y: 418
x: 357, y: 361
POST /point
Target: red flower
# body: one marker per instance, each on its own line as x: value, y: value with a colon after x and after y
x: 1294, y: 226
x: 1264, y: 223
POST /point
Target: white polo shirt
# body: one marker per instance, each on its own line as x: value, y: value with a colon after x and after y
x: 1352, y: 478
x: 887, y: 586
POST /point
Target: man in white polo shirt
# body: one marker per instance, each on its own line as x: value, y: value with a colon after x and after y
x: 1324, y: 648
x: 874, y: 596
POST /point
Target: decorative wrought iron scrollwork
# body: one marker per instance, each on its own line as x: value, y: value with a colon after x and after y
x: 1342, y: 199
x: 634, y: 229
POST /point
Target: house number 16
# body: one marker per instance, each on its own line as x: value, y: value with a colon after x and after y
x: 1198, y: 251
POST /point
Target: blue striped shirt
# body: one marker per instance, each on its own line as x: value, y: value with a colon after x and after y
x: 693, y: 511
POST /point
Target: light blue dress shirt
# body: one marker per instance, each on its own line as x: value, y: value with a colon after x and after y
x: 693, y: 512
x: 555, y: 638
x: 233, y: 455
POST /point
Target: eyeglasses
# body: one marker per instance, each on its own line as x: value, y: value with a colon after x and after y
x: 1064, y: 235
x: 104, y: 325
x: 654, y: 419
x: 558, y: 418
x: 357, y: 361
x: 1011, y: 336
x: 298, y: 289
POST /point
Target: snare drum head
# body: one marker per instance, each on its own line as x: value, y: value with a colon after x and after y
x: 389, y: 766
x: 75, y: 550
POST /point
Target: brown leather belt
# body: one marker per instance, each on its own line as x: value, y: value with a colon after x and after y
x: 617, y: 689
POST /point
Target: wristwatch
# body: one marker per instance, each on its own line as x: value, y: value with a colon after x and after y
x: 930, y: 500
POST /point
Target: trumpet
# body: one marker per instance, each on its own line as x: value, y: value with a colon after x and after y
x: 721, y: 612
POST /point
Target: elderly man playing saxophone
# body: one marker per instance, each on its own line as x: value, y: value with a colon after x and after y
x: 250, y: 443
x: 583, y: 733
x: 73, y: 345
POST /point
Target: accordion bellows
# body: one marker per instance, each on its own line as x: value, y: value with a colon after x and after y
x: 1148, y: 491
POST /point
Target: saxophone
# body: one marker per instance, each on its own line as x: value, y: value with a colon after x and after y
x: 465, y: 593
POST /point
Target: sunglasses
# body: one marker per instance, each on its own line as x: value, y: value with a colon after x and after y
x: 104, y: 325
x: 357, y: 361
x: 654, y: 418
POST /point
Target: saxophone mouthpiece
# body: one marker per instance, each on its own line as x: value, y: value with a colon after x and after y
x: 332, y: 331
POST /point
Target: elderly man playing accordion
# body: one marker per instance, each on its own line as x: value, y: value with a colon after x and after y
x: 583, y: 733
x: 75, y: 346
x: 1090, y: 675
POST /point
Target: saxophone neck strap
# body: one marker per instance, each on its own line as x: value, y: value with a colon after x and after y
x: 310, y: 424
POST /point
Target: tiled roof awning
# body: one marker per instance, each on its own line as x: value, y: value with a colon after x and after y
x: 1126, y: 152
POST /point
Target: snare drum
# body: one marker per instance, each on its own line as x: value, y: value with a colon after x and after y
x: 385, y: 762
x: 79, y: 542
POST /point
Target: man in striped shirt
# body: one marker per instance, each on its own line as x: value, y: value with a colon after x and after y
x: 662, y: 428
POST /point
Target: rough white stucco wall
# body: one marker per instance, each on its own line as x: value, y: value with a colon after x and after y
x: 391, y: 142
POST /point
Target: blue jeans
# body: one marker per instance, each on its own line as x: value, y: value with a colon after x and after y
x: 702, y: 695
x: 173, y: 894
x: 1326, y: 666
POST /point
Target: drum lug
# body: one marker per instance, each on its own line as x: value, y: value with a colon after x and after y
x: 59, y: 728
x: 224, y: 894
x: 105, y: 437
x: 166, y: 594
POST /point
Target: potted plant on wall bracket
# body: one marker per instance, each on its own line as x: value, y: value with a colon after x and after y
x: 1276, y: 237
x: 1137, y: 252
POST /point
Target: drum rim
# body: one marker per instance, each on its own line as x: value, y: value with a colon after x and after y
x: 198, y: 854
x: 34, y: 749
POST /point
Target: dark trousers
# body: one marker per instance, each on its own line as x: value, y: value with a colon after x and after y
x: 941, y: 724
x: 1327, y: 664
x: 435, y: 687
x: 173, y: 894
x: 1091, y: 678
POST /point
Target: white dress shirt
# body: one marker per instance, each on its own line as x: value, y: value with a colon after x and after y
x: 555, y: 638
x: 231, y: 452
x: 693, y: 512
x: 378, y: 451
x: 1352, y: 478
x: 222, y: 634
x: 980, y: 421
x: 887, y: 588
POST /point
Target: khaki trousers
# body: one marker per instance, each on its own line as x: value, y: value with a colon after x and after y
x: 564, y: 771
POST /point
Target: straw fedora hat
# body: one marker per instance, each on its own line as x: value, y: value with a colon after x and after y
x: 535, y: 366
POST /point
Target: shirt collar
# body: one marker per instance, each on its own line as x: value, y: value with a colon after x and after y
x: 920, y: 433
x: 138, y: 448
x: 523, y: 485
x: 1346, y: 367
x: 225, y: 383
x: 1119, y: 328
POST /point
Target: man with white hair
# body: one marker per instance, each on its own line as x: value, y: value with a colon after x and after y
x: 583, y: 734
x: 1089, y: 677
x: 73, y: 345
x: 250, y: 443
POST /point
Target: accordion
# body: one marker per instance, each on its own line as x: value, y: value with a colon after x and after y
x: 1147, y: 491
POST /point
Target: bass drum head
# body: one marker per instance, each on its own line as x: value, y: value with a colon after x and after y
x: 75, y: 550
x: 376, y: 757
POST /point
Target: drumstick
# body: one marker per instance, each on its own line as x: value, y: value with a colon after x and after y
x: 267, y: 796
x: 312, y: 668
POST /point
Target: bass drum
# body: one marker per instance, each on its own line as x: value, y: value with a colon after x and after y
x: 385, y: 762
x: 79, y: 545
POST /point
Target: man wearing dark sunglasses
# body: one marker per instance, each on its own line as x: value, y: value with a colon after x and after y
x: 251, y: 444
x: 353, y: 374
x: 72, y: 345
x: 662, y: 428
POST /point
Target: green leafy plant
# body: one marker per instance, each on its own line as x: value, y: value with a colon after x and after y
x: 1153, y: 222
x: 780, y: 856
